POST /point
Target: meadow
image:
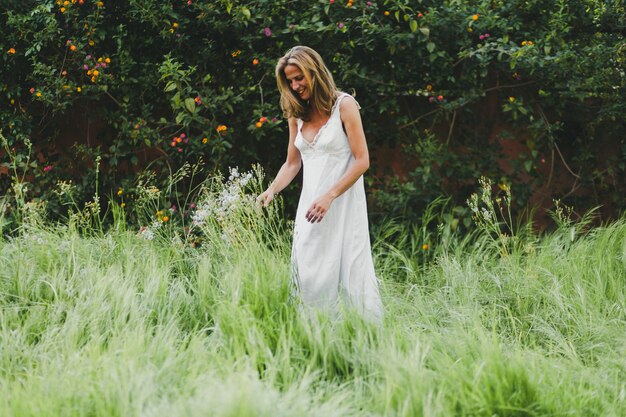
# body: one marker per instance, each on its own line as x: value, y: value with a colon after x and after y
x: 118, y: 322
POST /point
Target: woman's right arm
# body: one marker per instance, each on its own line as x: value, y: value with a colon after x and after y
x: 288, y: 171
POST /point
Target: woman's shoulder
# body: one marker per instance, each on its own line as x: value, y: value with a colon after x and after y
x: 347, y: 101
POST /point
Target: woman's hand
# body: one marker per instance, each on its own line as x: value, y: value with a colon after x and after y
x: 319, y: 208
x: 266, y: 197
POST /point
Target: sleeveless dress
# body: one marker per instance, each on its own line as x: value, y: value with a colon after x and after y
x: 331, y: 259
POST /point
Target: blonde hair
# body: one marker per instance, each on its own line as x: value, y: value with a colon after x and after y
x: 320, y: 80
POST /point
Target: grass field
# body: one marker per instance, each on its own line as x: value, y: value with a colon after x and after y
x: 113, y: 324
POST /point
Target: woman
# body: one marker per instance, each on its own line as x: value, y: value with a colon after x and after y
x: 331, y: 255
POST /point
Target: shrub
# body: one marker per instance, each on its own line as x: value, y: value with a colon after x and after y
x: 149, y: 84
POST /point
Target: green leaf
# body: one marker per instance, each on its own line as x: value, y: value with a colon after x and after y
x: 246, y: 12
x: 190, y: 104
x: 425, y: 31
x: 430, y: 46
x: 528, y: 165
x: 170, y: 86
x: 413, y: 25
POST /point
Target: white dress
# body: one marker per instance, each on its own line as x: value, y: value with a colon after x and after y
x: 332, y: 259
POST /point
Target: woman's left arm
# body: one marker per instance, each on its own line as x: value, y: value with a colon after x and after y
x: 351, y: 119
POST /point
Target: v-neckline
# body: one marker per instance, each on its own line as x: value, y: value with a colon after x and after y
x: 321, y: 129
x: 317, y: 135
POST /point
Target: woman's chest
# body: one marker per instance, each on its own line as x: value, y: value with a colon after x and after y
x: 310, y: 130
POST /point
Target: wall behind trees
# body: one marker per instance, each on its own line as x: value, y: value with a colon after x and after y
x: 528, y: 93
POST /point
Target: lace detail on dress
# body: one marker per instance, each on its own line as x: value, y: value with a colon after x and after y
x: 321, y: 129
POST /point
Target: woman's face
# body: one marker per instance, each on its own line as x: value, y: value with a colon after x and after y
x: 297, y: 82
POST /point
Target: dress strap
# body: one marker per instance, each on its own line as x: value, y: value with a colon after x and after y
x: 338, y: 102
x: 341, y: 96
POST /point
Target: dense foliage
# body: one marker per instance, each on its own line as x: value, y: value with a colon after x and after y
x: 151, y: 84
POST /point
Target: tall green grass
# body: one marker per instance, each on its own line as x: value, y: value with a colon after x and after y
x: 112, y: 324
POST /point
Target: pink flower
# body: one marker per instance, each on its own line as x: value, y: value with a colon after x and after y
x: 47, y: 168
x: 85, y: 67
x: 103, y: 65
x: 88, y: 57
x: 340, y: 25
x: 267, y: 31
